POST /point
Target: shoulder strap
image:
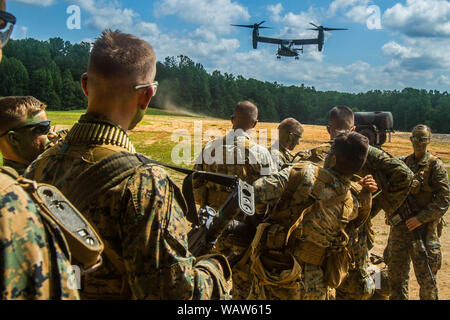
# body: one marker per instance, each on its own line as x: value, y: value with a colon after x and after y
x: 5, y: 183
x: 427, y: 172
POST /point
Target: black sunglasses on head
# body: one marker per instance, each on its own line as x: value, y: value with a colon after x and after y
x: 39, y: 128
x: 7, y: 22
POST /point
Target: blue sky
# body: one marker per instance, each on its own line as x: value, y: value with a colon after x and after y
x: 389, y: 45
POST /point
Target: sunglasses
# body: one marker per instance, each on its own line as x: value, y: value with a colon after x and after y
x: 421, y: 139
x: 38, y: 128
x: 7, y: 22
x: 298, y: 135
x: 153, y: 84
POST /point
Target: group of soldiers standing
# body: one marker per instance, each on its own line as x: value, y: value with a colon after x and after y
x: 311, y: 232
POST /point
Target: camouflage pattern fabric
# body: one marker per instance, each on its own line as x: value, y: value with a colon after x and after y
x: 236, y: 155
x: 247, y: 160
x: 294, y: 188
x: 33, y: 263
x: 316, y: 155
x: 394, y: 178
x: 400, y: 250
x: 141, y: 221
x: 19, y: 167
x: 281, y: 156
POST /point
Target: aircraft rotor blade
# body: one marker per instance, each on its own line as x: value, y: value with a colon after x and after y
x: 243, y: 25
x: 261, y: 22
x: 331, y: 29
x: 314, y: 25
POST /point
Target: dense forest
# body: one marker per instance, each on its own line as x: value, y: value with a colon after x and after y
x: 50, y: 70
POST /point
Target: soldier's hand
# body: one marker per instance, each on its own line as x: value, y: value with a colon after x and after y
x: 413, y: 223
x: 369, y: 183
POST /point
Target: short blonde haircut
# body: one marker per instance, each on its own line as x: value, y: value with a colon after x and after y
x: 15, y: 108
x: 120, y: 55
x: 291, y: 125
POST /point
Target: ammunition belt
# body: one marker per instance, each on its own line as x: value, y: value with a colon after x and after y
x: 99, y: 133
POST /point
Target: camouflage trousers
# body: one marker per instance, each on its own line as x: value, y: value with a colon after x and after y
x: 312, y: 286
x: 358, y: 284
x: 400, y: 252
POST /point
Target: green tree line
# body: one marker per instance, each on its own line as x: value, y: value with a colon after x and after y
x: 50, y: 71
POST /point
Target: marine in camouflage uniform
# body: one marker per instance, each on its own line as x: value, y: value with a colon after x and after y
x: 424, y: 208
x: 235, y: 154
x: 139, y: 216
x: 314, y: 207
x: 290, y: 132
x: 34, y: 258
x: 394, y: 180
x: 281, y: 155
x: 34, y: 261
x: 24, y: 131
x: 140, y: 220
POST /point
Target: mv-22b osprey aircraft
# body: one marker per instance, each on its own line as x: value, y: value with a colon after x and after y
x: 285, y: 46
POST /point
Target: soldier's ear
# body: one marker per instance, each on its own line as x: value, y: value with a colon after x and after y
x: 255, y: 123
x: 329, y: 130
x: 84, y: 81
x: 12, y: 138
x: 352, y: 128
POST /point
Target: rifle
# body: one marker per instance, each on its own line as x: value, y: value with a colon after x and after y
x: 417, y: 241
x: 202, y: 238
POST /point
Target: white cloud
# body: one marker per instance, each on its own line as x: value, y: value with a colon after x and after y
x: 358, y: 14
x: 415, y: 55
x: 395, y: 50
x: 109, y: 14
x: 19, y: 32
x: 420, y: 18
x: 44, y: 3
x: 275, y: 10
x: 216, y: 14
x: 342, y: 5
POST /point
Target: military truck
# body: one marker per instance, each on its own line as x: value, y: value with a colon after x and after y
x: 375, y: 126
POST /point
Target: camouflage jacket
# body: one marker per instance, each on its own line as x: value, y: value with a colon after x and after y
x: 236, y: 155
x: 19, y: 167
x: 316, y: 155
x: 430, y: 198
x: 393, y: 177
x: 281, y: 155
x: 140, y: 220
x: 34, y: 261
x: 296, y: 188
